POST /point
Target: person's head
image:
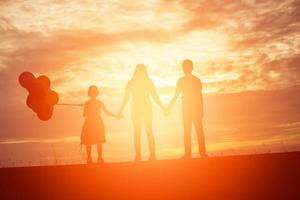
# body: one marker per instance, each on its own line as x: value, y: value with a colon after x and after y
x: 140, y: 73
x: 187, y: 66
x: 93, y: 91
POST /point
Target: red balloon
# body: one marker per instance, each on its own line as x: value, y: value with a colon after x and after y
x: 44, y: 82
x: 39, y: 91
x: 32, y: 102
x: 51, y: 98
x: 27, y: 80
x: 36, y: 103
x: 41, y: 98
x: 45, y: 113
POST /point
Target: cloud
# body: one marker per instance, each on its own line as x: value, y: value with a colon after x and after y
x: 211, y: 14
x: 62, y: 48
x: 66, y: 40
x: 269, y: 22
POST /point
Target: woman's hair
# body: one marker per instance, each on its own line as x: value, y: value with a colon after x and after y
x: 140, y: 73
x: 93, y: 91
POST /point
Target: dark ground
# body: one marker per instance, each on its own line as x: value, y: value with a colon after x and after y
x: 253, y: 177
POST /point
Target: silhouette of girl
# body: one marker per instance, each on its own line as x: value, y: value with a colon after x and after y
x: 140, y: 88
x: 93, y: 131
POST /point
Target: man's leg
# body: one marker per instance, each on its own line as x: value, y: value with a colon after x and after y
x: 200, y: 136
x: 187, y: 125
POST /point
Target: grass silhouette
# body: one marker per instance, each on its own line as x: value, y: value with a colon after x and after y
x: 260, y: 176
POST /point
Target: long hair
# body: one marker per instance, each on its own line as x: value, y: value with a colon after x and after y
x: 140, y: 73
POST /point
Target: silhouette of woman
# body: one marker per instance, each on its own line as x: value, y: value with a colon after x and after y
x: 93, y: 131
x: 140, y: 88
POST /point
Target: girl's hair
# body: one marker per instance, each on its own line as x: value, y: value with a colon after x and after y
x: 140, y: 73
x: 93, y: 91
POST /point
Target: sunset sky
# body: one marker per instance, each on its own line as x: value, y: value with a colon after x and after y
x: 246, y: 52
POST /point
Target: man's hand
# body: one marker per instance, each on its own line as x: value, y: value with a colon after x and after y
x: 119, y: 116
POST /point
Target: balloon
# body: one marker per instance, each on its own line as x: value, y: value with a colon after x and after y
x: 32, y: 102
x: 41, y: 98
x: 45, y: 112
x: 51, y: 98
x: 44, y: 82
x: 26, y: 80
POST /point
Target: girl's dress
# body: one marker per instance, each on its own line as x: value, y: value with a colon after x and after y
x: 93, y: 131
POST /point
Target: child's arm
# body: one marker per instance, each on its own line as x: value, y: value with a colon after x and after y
x: 108, y: 112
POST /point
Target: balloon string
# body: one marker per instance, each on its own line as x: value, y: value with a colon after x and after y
x: 69, y: 104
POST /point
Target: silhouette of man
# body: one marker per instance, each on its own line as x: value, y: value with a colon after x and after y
x: 190, y: 89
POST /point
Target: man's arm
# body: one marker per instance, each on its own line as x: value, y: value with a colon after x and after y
x: 201, y: 103
x: 177, y: 93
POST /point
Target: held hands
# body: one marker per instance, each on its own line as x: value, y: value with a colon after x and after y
x: 119, y: 115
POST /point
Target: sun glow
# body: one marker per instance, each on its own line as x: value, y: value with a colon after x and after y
x: 163, y: 60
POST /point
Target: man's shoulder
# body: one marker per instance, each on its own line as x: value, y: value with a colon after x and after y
x: 188, y: 78
x: 181, y: 80
x: 195, y: 77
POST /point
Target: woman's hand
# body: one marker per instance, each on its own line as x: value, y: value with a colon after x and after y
x: 119, y: 115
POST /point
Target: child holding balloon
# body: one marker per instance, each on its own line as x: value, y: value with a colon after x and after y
x: 93, y: 131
